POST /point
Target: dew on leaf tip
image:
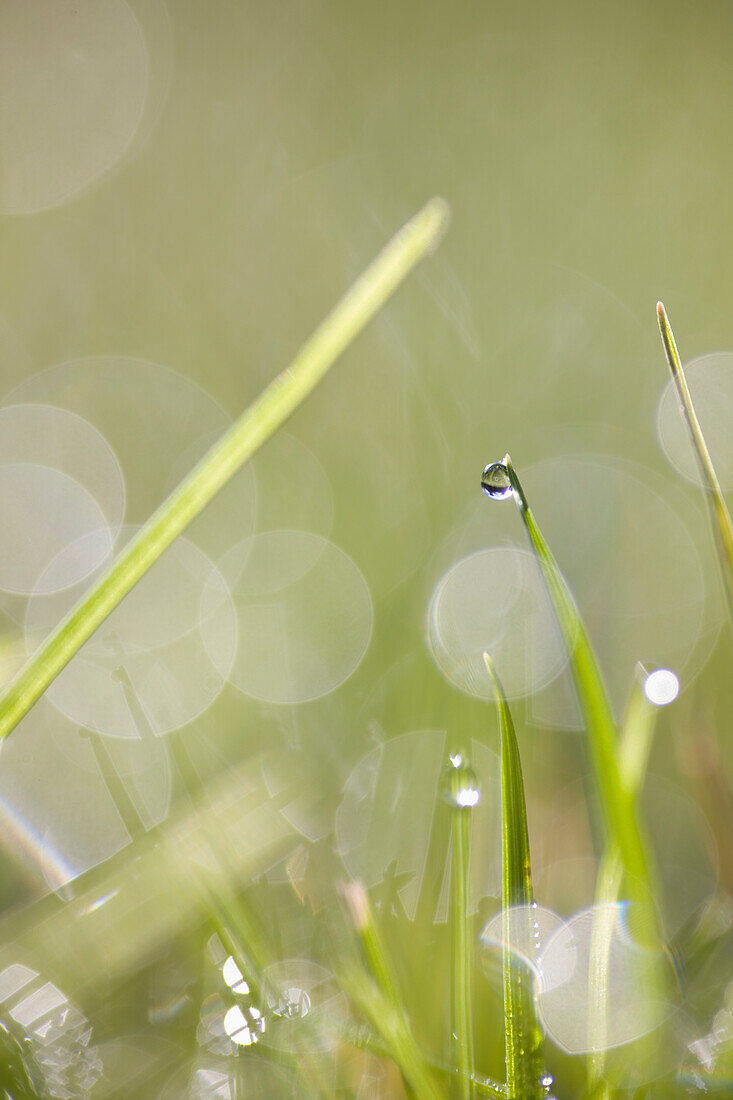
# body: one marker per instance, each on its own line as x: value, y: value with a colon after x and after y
x: 495, y: 481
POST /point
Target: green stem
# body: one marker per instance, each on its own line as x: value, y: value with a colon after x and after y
x: 722, y: 524
x: 461, y: 950
x: 618, y: 807
x: 254, y: 427
x: 633, y: 756
x: 523, y: 1035
x: 375, y: 993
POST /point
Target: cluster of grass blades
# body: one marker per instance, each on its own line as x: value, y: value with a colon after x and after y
x: 619, y: 760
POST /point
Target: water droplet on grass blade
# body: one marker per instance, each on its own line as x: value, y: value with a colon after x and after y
x: 385, y: 822
x: 459, y: 784
x: 495, y: 481
x: 661, y: 687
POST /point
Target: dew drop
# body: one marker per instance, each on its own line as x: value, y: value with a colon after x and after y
x: 459, y: 785
x: 661, y: 687
x: 495, y: 481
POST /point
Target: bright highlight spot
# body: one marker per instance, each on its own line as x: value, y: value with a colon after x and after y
x: 467, y: 796
x: 236, y: 1027
x: 233, y: 976
x: 661, y: 687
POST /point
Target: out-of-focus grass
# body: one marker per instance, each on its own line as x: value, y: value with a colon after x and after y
x: 635, y: 745
x: 275, y: 404
x: 199, y: 868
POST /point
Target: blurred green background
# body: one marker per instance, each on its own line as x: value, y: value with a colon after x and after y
x: 194, y: 185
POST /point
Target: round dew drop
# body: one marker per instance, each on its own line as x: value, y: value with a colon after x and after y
x: 459, y: 784
x: 495, y: 481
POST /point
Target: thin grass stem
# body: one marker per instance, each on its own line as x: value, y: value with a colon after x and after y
x: 722, y: 523
x: 375, y: 994
x: 618, y: 807
x: 523, y: 1036
x: 635, y: 744
x: 254, y: 427
x: 461, y: 944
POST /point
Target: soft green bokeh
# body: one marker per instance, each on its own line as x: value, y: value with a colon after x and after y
x: 585, y: 153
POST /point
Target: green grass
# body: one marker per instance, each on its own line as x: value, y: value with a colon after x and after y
x: 461, y: 789
x: 525, y: 1070
x: 386, y: 1021
x: 254, y: 427
x: 722, y: 524
x: 634, y: 749
x: 619, y: 808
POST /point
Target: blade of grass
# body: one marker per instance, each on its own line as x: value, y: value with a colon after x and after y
x: 722, y: 524
x: 462, y: 793
x: 523, y: 1035
x: 618, y: 807
x: 375, y: 951
x: 254, y: 427
x: 633, y: 755
x: 363, y: 1037
x: 375, y: 994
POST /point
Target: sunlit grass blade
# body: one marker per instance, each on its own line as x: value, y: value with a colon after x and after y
x: 523, y: 1036
x: 722, y: 524
x: 374, y: 992
x: 618, y: 807
x: 462, y: 793
x: 254, y: 427
x: 363, y: 1037
x: 637, y: 733
x: 635, y: 744
x: 375, y: 951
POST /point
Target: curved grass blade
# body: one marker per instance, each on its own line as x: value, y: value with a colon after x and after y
x: 375, y: 994
x: 722, y: 524
x: 264, y: 416
x: 364, y: 1037
x: 523, y: 1036
x: 618, y: 807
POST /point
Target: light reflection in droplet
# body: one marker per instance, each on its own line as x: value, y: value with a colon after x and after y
x: 661, y: 687
x: 301, y: 989
x: 233, y: 977
x: 495, y: 481
x: 459, y: 784
x: 385, y: 820
x: 239, y: 1028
